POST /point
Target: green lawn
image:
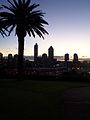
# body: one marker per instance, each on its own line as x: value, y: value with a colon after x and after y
x: 31, y: 100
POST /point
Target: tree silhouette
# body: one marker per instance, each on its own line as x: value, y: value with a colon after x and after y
x: 2, y: 27
x: 22, y: 17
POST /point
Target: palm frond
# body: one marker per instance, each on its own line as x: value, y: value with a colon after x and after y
x: 23, y: 1
x: 9, y: 8
x: 37, y: 13
x: 33, y: 6
x: 0, y: 7
x: 4, y: 6
x: 13, y: 6
x: 38, y: 32
x: 21, y: 14
x: 16, y: 4
x: 29, y: 33
x: 42, y: 30
x: 2, y: 28
x: 32, y: 32
x: 27, y: 3
x: 20, y: 2
x: 11, y: 29
x: 4, y: 33
x: 43, y: 21
x: 6, y: 15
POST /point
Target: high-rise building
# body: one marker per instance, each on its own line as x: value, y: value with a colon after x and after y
x: 75, y: 57
x: 16, y: 60
x: 9, y: 56
x: 35, y: 51
x: 1, y: 56
x: 51, y: 53
x: 66, y: 57
x: 16, y: 57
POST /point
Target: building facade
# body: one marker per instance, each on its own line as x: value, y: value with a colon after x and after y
x: 35, y: 52
x: 51, y: 53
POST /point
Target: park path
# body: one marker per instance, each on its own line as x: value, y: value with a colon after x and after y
x: 77, y: 104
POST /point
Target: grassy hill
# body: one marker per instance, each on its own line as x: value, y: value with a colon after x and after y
x: 31, y: 100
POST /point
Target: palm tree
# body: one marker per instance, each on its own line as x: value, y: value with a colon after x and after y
x: 22, y: 17
x: 2, y: 27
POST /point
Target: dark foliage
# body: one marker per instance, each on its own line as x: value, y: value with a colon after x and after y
x: 21, y: 17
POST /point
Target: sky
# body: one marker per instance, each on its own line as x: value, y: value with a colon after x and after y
x: 69, y: 29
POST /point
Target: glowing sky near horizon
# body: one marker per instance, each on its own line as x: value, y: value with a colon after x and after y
x: 69, y: 29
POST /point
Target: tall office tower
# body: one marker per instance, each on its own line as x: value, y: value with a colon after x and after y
x: 35, y: 51
x: 1, y: 56
x: 16, y: 60
x: 51, y: 53
x: 66, y: 57
x: 75, y: 57
x: 16, y: 57
x: 10, y: 58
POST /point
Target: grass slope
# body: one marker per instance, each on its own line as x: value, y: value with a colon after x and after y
x: 31, y: 100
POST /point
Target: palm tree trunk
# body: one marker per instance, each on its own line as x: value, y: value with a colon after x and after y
x: 20, y: 57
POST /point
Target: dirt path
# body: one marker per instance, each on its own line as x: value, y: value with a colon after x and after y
x: 77, y: 104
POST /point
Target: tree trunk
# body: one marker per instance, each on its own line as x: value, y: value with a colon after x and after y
x: 20, y: 57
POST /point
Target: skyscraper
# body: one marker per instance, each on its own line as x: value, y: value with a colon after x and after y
x: 66, y: 57
x: 75, y: 57
x: 9, y: 56
x: 51, y: 53
x: 35, y: 51
x: 1, y: 56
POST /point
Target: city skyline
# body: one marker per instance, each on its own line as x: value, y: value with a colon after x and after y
x: 50, y: 54
x: 69, y: 29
